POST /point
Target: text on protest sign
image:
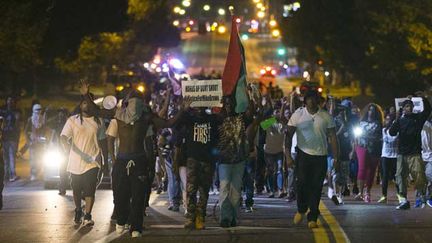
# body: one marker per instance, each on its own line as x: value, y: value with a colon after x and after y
x: 203, y: 93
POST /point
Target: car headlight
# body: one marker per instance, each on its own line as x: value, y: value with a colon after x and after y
x: 358, y: 131
x: 52, y: 158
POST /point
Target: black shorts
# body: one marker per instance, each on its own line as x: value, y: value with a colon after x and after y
x: 85, y: 183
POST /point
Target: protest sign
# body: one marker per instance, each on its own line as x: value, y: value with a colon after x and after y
x: 204, y: 93
x: 418, y: 103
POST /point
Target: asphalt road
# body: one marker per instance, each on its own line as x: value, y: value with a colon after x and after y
x: 32, y: 214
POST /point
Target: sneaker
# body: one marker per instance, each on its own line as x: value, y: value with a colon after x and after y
x: 199, y: 223
x: 419, y: 204
x: 216, y: 192
x: 175, y: 208
x: 400, y: 198
x: 271, y: 195
x: 335, y: 200
x: 249, y: 210
x: 189, y: 224
x: 355, y: 190
x: 283, y: 194
x: 32, y: 178
x: 403, y: 206
x: 88, y: 220
x: 367, y: 198
x: 358, y: 197
x: 170, y: 207
x: 429, y: 203
x: 346, y: 192
x: 330, y: 193
x: 298, y: 217
x: 78, y: 216
x: 15, y: 178
x: 312, y: 225
x: 120, y: 229
x: 383, y: 199
x: 136, y: 234
x: 340, y: 200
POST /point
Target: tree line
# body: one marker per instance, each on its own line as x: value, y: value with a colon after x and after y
x: 384, y: 44
x: 51, y: 43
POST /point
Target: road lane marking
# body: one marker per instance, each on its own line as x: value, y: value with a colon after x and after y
x: 320, y: 233
x: 337, y: 231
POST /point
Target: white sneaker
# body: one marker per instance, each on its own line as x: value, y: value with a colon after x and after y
x: 32, y: 178
x: 88, y: 222
x: 136, y: 234
x: 340, y: 199
x: 120, y: 229
x: 330, y: 192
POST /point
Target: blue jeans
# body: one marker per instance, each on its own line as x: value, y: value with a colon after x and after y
x: 173, y: 183
x: 9, y: 153
x: 230, y: 176
x: 248, y: 181
x: 274, y: 163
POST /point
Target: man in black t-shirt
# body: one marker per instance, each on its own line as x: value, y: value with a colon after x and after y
x: 200, y: 142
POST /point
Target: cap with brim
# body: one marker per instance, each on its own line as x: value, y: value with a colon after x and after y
x: 37, y: 107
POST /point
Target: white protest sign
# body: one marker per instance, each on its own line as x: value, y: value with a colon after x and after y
x: 418, y: 103
x: 204, y: 93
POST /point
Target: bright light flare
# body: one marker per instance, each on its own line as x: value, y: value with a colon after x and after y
x: 182, y: 12
x: 186, y: 3
x: 176, y: 23
x: 358, y: 131
x: 221, y: 11
x: 177, y: 9
x: 275, y: 33
x: 272, y: 23
x: 327, y: 73
x: 53, y: 158
x: 273, y: 72
x: 245, y: 37
x: 221, y: 29
x: 262, y: 71
x: 141, y: 88
x: 260, y: 14
x: 206, y: 7
x: 176, y: 63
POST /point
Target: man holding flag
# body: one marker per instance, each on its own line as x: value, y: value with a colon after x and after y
x: 232, y: 133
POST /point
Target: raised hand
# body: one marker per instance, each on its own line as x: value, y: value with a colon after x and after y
x: 84, y: 87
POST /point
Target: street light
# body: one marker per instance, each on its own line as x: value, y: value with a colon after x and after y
x: 182, y: 12
x: 281, y: 51
x: 221, y: 11
x: 260, y: 14
x: 186, y: 3
x: 273, y: 23
x: 275, y: 33
x: 176, y: 9
x: 176, y: 23
x: 206, y: 7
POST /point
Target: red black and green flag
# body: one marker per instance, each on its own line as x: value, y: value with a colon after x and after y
x: 234, y: 75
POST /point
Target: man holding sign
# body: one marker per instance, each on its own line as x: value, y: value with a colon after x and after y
x: 409, y: 126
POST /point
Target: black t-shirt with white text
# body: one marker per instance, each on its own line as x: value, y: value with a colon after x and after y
x: 201, y: 135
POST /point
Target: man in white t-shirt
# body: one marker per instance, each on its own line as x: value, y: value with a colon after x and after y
x: 314, y: 128
x: 81, y: 137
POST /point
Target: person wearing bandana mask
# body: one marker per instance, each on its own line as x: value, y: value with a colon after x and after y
x: 35, y: 132
x: 131, y: 166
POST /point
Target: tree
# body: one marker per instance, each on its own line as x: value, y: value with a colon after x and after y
x: 21, y: 33
x: 381, y: 43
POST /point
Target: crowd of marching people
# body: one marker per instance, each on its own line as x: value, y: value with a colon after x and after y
x: 285, y: 147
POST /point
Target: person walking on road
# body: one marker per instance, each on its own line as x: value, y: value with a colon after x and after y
x: 368, y: 149
x: 81, y: 138
x: 426, y: 137
x: 409, y: 161
x: 314, y: 127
